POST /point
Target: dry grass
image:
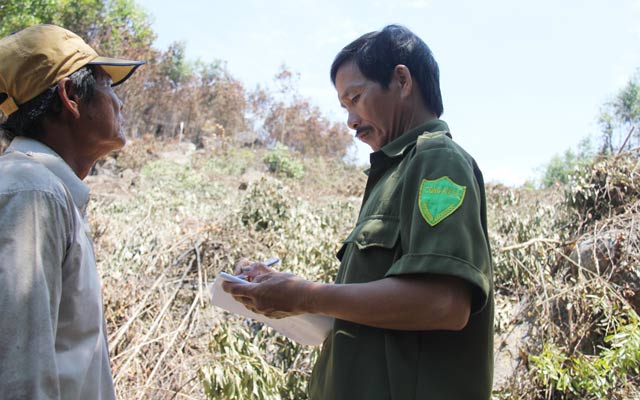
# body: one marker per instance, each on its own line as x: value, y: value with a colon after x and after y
x: 166, y: 220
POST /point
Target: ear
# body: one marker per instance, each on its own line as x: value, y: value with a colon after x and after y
x: 403, y: 77
x: 68, y: 97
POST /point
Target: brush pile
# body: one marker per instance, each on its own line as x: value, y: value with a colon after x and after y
x: 167, y: 217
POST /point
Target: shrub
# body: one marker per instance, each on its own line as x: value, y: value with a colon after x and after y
x: 602, y: 189
x: 280, y: 161
x: 249, y: 360
x: 599, y: 376
x: 566, y: 260
x: 242, y: 368
x: 267, y: 206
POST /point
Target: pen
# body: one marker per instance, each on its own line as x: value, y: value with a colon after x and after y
x: 268, y: 263
x: 271, y: 261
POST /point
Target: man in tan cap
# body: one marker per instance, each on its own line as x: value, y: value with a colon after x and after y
x: 61, y: 115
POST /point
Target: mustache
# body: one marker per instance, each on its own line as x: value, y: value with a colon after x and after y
x: 362, y: 130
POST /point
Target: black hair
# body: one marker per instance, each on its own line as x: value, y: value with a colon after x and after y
x: 28, y: 119
x: 377, y: 53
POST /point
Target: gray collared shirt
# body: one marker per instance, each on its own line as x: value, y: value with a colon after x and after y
x: 52, y: 336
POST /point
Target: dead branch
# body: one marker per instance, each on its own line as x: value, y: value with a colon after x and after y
x: 530, y: 243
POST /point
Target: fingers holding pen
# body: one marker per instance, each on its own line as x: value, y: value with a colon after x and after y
x: 275, y: 294
x: 241, y: 265
x: 250, y: 270
x: 254, y: 271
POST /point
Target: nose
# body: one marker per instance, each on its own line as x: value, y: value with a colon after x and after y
x: 353, y: 120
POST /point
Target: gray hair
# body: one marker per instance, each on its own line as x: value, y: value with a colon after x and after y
x: 28, y: 119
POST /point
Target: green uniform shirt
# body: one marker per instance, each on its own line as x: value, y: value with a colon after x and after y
x: 423, y: 212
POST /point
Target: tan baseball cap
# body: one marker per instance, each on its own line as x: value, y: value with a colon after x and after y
x: 37, y: 57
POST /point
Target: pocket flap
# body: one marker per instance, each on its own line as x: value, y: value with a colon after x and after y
x: 381, y: 231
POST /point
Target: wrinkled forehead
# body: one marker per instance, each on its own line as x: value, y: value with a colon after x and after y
x: 349, y: 76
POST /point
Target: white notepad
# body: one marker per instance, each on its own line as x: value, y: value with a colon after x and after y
x: 307, y: 329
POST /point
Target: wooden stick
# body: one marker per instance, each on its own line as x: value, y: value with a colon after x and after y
x: 143, y: 304
x: 529, y: 243
x: 154, y: 325
x: 194, y: 303
x: 200, y: 285
x: 626, y: 140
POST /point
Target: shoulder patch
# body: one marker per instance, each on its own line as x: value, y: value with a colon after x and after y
x: 439, y: 198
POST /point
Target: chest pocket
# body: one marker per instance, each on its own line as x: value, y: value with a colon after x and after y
x: 375, y: 231
x: 370, y: 249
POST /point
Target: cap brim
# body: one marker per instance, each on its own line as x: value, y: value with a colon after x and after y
x: 119, y: 70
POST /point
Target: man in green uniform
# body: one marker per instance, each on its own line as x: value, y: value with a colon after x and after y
x: 413, y: 299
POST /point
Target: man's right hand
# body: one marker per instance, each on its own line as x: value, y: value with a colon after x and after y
x: 250, y: 270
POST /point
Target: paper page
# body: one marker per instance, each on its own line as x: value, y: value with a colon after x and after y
x: 307, y: 329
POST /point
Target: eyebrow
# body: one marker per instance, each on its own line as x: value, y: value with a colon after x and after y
x: 346, y: 94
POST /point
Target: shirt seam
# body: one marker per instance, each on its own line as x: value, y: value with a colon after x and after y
x: 458, y: 259
x: 52, y: 194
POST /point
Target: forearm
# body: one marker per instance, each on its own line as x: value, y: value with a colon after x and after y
x: 402, y: 303
x: 415, y: 302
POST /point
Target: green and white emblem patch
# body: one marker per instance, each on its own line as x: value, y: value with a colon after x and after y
x: 439, y: 198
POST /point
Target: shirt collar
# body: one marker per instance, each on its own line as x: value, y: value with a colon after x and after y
x: 50, y: 159
x: 399, y: 145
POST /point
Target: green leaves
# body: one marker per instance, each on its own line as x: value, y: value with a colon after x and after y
x: 619, y: 115
x: 581, y: 376
x: 16, y: 15
x: 115, y: 26
x: 281, y: 161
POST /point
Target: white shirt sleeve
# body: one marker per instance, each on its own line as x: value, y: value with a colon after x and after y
x: 34, y: 231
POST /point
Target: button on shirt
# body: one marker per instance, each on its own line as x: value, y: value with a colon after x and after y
x: 52, y: 337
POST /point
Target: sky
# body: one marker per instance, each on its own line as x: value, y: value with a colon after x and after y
x: 521, y: 81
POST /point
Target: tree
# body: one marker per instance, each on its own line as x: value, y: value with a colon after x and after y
x: 560, y: 167
x: 173, y: 97
x: 173, y: 65
x: 619, y: 116
x: 224, y: 97
x: 193, y: 99
x: 292, y: 120
x: 113, y: 25
x: 16, y: 15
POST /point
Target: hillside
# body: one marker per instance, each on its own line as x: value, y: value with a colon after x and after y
x: 167, y: 217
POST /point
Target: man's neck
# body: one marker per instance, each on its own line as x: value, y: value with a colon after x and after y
x: 416, y: 118
x: 61, y: 141
x: 416, y: 112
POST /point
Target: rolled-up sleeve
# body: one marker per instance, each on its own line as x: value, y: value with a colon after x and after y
x: 455, y: 244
